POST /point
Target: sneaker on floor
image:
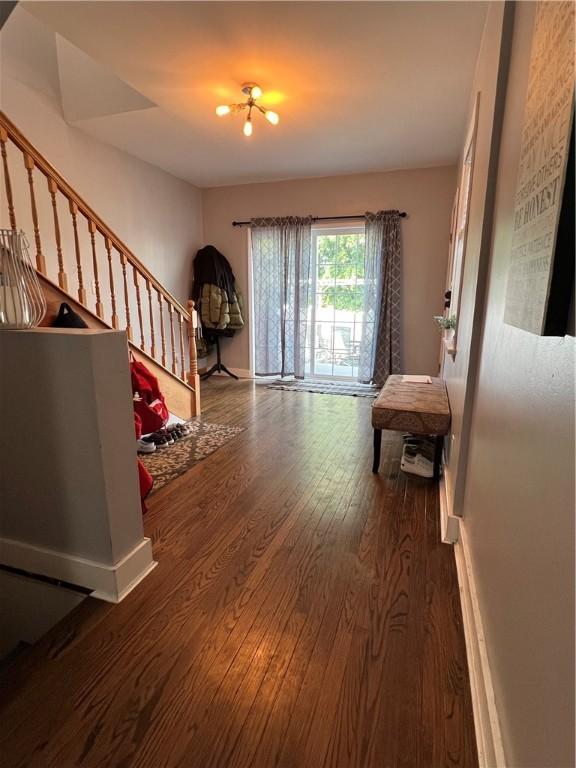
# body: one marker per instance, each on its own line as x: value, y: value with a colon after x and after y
x: 422, y: 445
x: 160, y: 440
x: 176, y: 431
x: 145, y: 446
x: 417, y: 465
x: 149, y: 438
x: 417, y: 440
x: 166, y: 435
x: 412, y: 440
x: 183, y: 429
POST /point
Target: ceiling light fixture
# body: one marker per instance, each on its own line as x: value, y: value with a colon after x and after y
x: 253, y: 92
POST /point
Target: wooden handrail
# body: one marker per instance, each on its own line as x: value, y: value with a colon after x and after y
x: 68, y: 191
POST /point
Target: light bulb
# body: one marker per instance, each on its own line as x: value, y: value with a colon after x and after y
x: 222, y: 110
x: 247, y: 127
x: 272, y: 117
x: 256, y: 92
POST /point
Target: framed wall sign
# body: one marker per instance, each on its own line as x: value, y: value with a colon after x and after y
x: 460, y: 227
x: 544, y: 150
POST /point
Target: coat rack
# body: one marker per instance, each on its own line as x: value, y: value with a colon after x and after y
x: 219, y: 366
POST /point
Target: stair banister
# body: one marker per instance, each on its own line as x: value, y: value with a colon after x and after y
x: 101, y: 235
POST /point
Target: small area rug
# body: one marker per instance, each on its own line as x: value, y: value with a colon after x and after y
x: 166, y: 464
x: 327, y: 387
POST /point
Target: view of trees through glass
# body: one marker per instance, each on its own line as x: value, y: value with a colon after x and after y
x: 338, y: 300
x: 340, y: 266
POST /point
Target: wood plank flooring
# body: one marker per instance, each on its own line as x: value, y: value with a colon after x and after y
x: 303, y: 614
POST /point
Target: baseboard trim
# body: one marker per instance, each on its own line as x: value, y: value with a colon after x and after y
x: 106, y: 582
x: 486, y: 722
x: 449, y: 524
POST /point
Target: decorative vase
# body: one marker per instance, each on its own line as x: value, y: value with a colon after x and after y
x: 22, y: 302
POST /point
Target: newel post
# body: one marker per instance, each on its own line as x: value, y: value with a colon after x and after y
x: 193, y: 377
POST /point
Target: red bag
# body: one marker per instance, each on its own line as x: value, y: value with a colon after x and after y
x: 151, y: 406
x: 146, y: 483
x: 144, y: 477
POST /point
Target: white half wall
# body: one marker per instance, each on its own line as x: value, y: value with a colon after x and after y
x: 68, y: 475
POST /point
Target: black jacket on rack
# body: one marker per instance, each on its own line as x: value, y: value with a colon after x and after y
x: 210, y: 266
x: 214, y: 285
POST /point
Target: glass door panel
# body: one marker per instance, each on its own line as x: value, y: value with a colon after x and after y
x: 337, y: 302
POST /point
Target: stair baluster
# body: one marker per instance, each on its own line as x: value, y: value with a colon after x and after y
x: 139, y: 306
x: 163, y: 338
x: 81, y: 289
x: 99, y: 307
x: 123, y: 261
x: 108, y: 246
x: 62, y: 276
x: 151, y: 314
x: 172, y: 340
x: 181, y: 338
x: 40, y: 260
x: 7, y: 181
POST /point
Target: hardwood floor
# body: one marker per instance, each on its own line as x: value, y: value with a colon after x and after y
x: 303, y: 614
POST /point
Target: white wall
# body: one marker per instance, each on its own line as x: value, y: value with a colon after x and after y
x: 426, y: 194
x: 459, y: 372
x: 519, y: 494
x: 157, y: 215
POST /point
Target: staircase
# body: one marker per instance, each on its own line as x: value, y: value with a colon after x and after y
x: 80, y: 260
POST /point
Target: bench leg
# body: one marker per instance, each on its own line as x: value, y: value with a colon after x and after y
x: 438, y: 446
x: 377, y: 446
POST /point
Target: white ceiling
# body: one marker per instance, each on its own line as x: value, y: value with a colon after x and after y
x: 359, y: 86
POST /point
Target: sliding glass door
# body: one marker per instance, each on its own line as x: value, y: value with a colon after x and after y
x: 336, y: 307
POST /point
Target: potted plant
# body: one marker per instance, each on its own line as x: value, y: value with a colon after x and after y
x: 446, y: 324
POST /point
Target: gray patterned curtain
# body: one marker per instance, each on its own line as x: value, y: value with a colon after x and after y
x: 281, y: 250
x: 380, y: 349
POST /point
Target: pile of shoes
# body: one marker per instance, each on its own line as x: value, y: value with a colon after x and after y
x: 163, y: 438
x: 418, y: 455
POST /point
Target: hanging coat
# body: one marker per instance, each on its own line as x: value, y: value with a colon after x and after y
x: 210, y: 266
x: 217, y: 311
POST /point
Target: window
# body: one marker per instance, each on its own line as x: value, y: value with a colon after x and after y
x: 337, y: 302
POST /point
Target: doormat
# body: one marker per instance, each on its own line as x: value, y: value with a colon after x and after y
x: 166, y: 464
x: 327, y: 387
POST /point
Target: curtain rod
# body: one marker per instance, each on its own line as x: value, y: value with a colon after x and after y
x: 403, y: 214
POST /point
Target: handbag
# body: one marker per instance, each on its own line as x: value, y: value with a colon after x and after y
x: 145, y: 479
x: 67, y: 318
x: 150, y: 405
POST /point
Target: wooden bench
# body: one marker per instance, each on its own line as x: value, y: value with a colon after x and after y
x: 408, y: 406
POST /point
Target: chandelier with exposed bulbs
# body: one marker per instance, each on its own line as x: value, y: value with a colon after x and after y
x: 253, y: 92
